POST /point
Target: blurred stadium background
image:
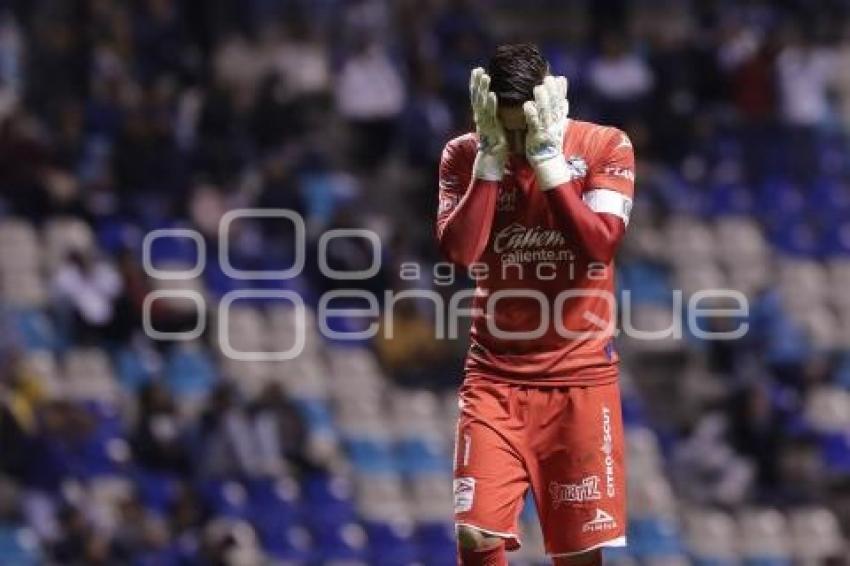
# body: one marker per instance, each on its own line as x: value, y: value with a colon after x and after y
x: 119, y: 118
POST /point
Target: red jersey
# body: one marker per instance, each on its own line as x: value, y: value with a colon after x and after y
x: 543, y: 260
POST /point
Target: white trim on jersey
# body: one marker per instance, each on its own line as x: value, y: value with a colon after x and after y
x: 613, y: 543
x: 609, y: 202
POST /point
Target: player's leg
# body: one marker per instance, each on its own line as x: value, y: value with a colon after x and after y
x: 490, y: 479
x: 578, y: 471
x: 477, y: 548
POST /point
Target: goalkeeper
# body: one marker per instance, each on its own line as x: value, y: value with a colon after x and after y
x: 542, y: 201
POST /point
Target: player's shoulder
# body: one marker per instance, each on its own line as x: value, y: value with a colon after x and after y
x: 599, y: 136
x: 462, y: 145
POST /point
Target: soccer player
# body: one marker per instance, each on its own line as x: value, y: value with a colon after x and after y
x: 535, y: 205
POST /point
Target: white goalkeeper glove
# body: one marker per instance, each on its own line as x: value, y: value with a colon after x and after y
x: 492, y: 143
x: 546, y: 119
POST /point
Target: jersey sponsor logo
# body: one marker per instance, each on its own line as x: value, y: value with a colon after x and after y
x: 585, y: 490
x: 464, y: 492
x: 522, y: 244
x: 622, y: 172
x: 608, y: 452
x: 602, y: 522
x: 516, y: 237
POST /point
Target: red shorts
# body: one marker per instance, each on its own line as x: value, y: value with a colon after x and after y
x: 564, y: 443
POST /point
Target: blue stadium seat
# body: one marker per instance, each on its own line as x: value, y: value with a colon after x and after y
x: 371, y: 455
x: 326, y: 490
x: 274, y: 506
x: 729, y: 199
x: 647, y: 283
x: 289, y: 544
x: 835, y: 452
x: 227, y: 498
x: 316, y: 413
x: 157, y: 491
x: 131, y: 371
x: 190, y: 371
x: 391, y: 544
x: 437, y: 543
x: 616, y: 553
x: 653, y: 537
x: 105, y: 451
x: 35, y: 329
x: 18, y: 547
x: 418, y: 456
x: 347, y: 541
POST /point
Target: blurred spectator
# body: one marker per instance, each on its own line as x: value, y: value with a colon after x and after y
x: 89, y: 287
x: 620, y: 79
x: 370, y: 96
x: 410, y: 351
x: 261, y: 440
x: 755, y: 431
x: 804, y: 71
x: 159, y: 441
x: 282, y: 432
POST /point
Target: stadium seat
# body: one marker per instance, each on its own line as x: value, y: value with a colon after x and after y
x: 381, y: 496
x: 763, y: 537
x: 828, y: 409
x: 691, y: 241
x: 157, y: 491
x: 817, y: 535
x: 431, y: 497
x: 290, y: 545
x: 712, y: 537
x: 371, y: 455
x: 740, y: 241
x: 133, y: 372
x: 346, y: 542
x: 19, y: 546
x: 88, y: 376
x: 189, y: 371
x: 34, y: 330
x: 227, y: 498
x: 392, y: 544
x: 654, y: 537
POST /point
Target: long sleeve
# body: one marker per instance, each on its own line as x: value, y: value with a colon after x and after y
x: 467, y: 205
x: 600, y: 215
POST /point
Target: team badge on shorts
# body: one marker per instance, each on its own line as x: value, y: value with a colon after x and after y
x: 464, y: 489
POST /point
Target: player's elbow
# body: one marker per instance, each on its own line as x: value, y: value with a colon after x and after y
x: 602, y: 250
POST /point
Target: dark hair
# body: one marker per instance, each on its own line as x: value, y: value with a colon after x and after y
x: 515, y: 69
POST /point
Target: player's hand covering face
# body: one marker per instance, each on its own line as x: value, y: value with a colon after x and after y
x: 546, y: 118
x: 492, y: 143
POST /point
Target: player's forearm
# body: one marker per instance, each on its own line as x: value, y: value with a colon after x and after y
x: 599, y: 235
x: 464, y: 235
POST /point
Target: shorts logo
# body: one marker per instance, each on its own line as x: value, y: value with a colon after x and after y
x: 586, y: 490
x: 608, y: 451
x: 464, y: 490
x: 602, y: 522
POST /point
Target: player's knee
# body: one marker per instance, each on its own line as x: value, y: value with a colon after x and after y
x: 592, y: 558
x: 470, y: 538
